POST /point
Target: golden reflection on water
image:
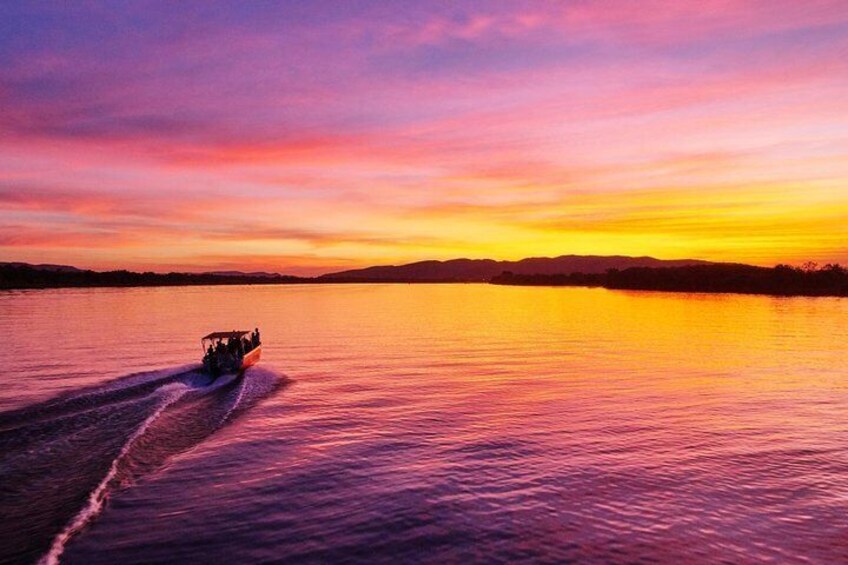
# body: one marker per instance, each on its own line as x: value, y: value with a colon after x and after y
x: 575, y: 415
x: 475, y: 333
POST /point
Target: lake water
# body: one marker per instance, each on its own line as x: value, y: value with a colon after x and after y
x: 434, y: 423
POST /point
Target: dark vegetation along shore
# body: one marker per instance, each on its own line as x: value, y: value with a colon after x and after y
x: 783, y: 280
x: 48, y: 276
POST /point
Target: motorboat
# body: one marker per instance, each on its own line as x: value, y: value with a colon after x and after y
x: 230, y: 352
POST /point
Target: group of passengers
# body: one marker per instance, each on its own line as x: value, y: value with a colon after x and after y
x: 230, y: 353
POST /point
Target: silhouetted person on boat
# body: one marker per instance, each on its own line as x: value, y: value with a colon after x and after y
x: 214, y: 366
x: 255, y: 337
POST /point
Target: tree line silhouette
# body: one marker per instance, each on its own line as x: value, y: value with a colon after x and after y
x: 22, y: 276
x: 782, y: 280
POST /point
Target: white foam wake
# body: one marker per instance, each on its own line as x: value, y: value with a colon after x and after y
x: 173, y: 392
x: 235, y: 402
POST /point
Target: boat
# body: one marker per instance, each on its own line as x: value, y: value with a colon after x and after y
x: 230, y: 352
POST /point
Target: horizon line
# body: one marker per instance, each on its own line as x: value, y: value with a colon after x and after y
x: 273, y: 271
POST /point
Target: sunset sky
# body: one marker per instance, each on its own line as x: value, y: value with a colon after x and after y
x: 305, y: 137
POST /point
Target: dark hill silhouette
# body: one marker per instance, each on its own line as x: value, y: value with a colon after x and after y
x: 13, y: 276
x: 480, y: 270
x: 44, y: 267
x: 70, y: 269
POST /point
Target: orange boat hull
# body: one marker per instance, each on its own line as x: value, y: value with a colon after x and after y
x: 252, y: 358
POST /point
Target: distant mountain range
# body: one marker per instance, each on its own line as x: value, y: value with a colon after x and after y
x: 459, y: 270
x: 615, y: 273
x: 479, y: 270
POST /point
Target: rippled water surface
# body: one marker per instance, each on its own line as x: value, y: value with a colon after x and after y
x: 437, y: 423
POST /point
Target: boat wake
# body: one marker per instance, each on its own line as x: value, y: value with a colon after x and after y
x: 61, y: 459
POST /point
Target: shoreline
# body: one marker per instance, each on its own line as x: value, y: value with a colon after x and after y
x: 785, y: 281
x: 374, y: 282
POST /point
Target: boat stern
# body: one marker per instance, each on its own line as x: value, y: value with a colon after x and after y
x: 251, y: 357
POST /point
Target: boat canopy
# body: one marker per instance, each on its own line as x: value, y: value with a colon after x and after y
x: 224, y: 335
